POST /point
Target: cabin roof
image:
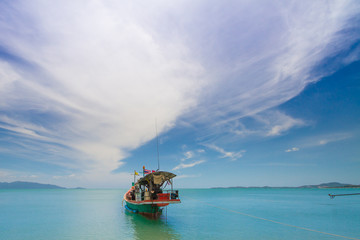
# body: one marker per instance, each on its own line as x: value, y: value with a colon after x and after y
x: 158, y: 177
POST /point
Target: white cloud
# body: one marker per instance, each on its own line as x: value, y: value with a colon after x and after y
x: 188, y: 176
x: 188, y: 154
x: 104, y: 74
x: 88, y: 179
x: 278, y: 123
x: 325, y: 139
x: 275, y: 59
x: 188, y: 165
x: 11, y: 176
x: 268, y: 123
x: 4, y: 174
x: 94, y: 75
x: 276, y: 130
x: 294, y: 149
x: 323, y: 142
x: 232, y: 155
x: 241, y: 130
x: 284, y: 164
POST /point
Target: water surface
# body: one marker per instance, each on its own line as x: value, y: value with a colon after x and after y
x: 203, y: 214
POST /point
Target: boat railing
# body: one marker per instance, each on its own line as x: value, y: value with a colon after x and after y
x: 171, y: 191
x: 143, y: 196
x: 173, y: 194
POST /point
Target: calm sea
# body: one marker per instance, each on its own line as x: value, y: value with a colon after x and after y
x: 203, y: 214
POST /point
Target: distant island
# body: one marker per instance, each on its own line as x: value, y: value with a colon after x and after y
x: 331, y: 185
x: 323, y: 185
x: 28, y: 185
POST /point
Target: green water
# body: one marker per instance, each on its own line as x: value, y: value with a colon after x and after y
x: 99, y: 214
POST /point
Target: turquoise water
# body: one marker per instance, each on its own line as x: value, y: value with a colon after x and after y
x: 98, y: 214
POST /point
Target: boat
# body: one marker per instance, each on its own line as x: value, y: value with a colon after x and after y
x: 151, y: 193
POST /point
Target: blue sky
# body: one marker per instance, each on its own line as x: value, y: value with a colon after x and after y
x: 244, y: 93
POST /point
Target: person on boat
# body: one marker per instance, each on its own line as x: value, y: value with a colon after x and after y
x: 175, y: 195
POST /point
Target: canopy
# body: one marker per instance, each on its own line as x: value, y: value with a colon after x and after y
x: 156, y: 177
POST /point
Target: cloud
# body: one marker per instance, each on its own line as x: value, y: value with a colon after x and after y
x: 188, y: 165
x: 188, y: 176
x: 11, y: 176
x: 96, y: 82
x: 322, y: 139
x: 267, y: 124
x: 294, y: 149
x: 4, y: 174
x: 323, y: 142
x: 277, y: 123
x: 331, y: 138
x: 260, y: 62
x: 284, y: 164
x: 232, y: 155
x: 284, y: 126
x: 188, y: 154
x: 91, y: 77
x: 65, y: 176
x: 88, y: 179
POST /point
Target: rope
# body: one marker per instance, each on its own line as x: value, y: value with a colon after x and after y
x: 281, y: 223
x: 332, y: 196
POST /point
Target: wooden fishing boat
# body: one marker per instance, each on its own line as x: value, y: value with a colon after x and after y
x: 151, y: 193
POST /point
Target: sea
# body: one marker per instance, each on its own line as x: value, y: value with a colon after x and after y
x: 250, y: 213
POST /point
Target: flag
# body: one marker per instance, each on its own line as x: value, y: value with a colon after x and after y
x: 136, y: 173
x: 147, y: 171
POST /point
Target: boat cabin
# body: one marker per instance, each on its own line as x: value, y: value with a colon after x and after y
x: 153, y: 187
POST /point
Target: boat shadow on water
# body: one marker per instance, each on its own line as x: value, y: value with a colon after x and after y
x: 150, y: 228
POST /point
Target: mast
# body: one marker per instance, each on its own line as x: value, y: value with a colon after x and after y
x: 157, y: 145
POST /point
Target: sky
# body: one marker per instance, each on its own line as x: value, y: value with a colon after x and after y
x: 239, y: 93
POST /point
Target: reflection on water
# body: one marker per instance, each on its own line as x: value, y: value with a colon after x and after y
x: 146, y: 228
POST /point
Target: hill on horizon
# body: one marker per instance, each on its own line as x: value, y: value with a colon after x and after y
x: 322, y: 185
x: 27, y: 185
x: 328, y: 185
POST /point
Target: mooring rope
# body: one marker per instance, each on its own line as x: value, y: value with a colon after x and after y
x: 269, y: 220
x: 332, y: 196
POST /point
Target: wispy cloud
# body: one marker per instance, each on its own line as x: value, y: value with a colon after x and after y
x: 265, y: 68
x: 188, y: 165
x: 294, y: 149
x: 320, y: 140
x: 283, y: 125
x: 225, y: 154
x: 188, y: 176
x: 88, y: 179
x: 284, y: 164
x: 268, y: 123
x: 93, y: 76
x: 188, y: 155
x: 330, y: 138
x: 97, y: 80
x: 65, y: 176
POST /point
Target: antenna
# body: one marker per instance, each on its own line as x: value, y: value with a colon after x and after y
x: 157, y: 144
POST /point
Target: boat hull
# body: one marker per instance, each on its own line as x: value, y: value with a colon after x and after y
x: 151, y: 210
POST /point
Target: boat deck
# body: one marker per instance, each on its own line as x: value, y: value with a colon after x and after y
x: 161, y: 202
